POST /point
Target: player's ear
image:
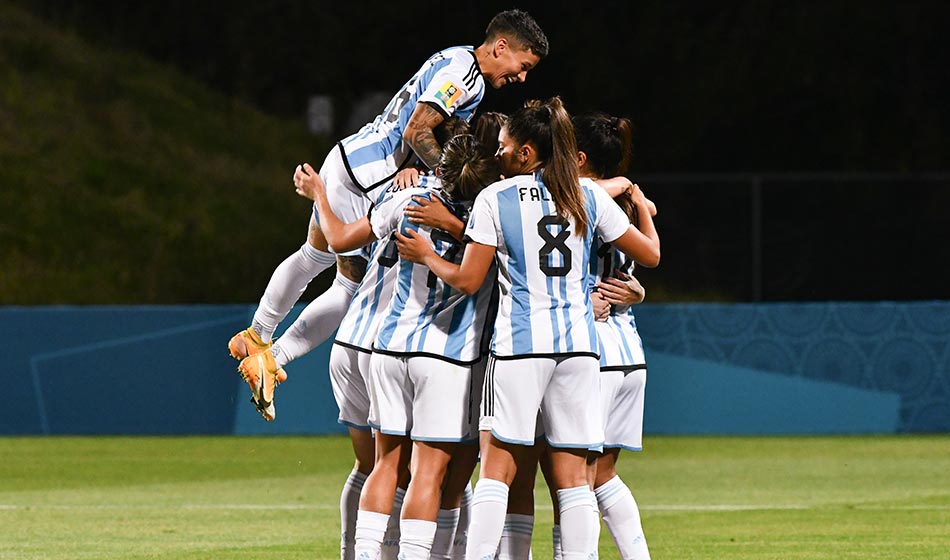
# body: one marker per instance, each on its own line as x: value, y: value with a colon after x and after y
x: 581, y: 159
x: 525, y: 152
x: 500, y: 46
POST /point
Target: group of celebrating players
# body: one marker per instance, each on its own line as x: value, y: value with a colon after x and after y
x: 482, y: 313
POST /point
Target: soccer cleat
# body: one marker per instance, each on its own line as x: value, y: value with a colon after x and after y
x: 247, y: 343
x: 261, y: 373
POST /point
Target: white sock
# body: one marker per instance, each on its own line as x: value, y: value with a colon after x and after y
x: 349, y: 505
x: 316, y: 322
x: 390, y: 548
x: 489, y: 504
x: 415, y: 539
x: 461, y: 532
x: 446, y: 525
x: 622, y: 517
x: 288, y: 282
x: 370, y: 528
x: 580, y: 524
x: 556, y: 542
x: 516, y: 537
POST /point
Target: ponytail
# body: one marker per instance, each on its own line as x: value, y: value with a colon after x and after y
x: 548, y: 127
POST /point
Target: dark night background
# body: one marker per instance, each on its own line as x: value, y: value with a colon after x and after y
x: 797, y: 151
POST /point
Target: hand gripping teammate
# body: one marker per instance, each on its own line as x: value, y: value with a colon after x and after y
x: 424, y: 350
x: 617, y: 290
x: 451, y: 82
x: 350, y: 355
x: 603, y: 144
x: 539, y: 225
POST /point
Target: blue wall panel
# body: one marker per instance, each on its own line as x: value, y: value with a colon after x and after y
x: 713, y: 368
x: 888, y: 347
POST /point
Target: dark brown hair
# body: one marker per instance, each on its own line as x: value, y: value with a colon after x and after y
x: 466, y: 168
x: 487, y: 127
x: 520, y: 28
x: 547, y: 127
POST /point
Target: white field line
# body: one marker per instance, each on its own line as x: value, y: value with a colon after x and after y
x: 541, y: 507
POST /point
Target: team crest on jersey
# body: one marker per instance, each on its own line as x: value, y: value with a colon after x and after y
x: 448, y: 94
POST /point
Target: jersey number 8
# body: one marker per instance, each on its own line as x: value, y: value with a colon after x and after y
x: 554, y: 242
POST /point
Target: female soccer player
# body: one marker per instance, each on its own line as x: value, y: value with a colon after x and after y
x: 420, y: 369
x: 539, y: 224
x: 604, y: 147
x: 451, y: 82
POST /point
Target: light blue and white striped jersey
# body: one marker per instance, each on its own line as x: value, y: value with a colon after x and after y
x: 450, y: 80
x: 426, y: 316
x: 366, y: 311
x: 543, y: 268
x: 361, y: 322
x: 620, y: 344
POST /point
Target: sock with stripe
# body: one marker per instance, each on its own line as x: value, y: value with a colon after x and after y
x: 349, y: 506
x: 580, y: 524
x: 556, y: 542
x: 390, y: 549
x: 446, y: 525
x: 461, y: 532
x: 622, y: 518
x: 516, y: 537
x: 489, y: 504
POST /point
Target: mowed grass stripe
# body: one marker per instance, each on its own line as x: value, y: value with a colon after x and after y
x: 247, y: 497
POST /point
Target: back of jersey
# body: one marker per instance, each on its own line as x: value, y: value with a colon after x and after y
x: 543, y: 267
x: 450, y: 81
x: 428, y: 317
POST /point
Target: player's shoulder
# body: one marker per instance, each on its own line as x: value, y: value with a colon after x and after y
x: 589, y: 186
x: 395, y: 200
x: 459, y: 60
x: 593, y: 191
x: 461, y: 53
x: 492, y: 190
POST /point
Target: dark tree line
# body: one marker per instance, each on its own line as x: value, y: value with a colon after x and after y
x: 710, y: 86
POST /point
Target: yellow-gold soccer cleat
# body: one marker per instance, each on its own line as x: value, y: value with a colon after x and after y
x: 247, y: 343
x: 261, y: 373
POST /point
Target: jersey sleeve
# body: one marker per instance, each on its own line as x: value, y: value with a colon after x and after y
x: 449, y: 89
x: 611, y: 221
x: 481, y: 221
x: 387, y: 215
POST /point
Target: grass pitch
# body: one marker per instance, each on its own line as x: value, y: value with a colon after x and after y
x: 227, y: 498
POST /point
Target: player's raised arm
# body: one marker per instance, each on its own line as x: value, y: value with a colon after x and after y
x: 341, y: 236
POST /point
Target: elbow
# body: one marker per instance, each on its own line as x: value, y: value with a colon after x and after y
x: 653, y: 259
x: 332, y: 241
x: 468, y: 288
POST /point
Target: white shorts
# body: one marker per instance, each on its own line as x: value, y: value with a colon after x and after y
x: 566, y: 389
x: 345, y: 203
x: 421, y: 397
x: 349, y: 372
x: 622, y: 395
